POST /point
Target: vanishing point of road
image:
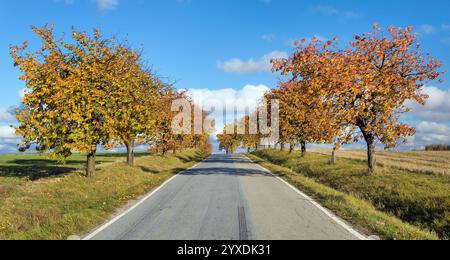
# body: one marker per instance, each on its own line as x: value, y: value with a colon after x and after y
x: 226, y: 198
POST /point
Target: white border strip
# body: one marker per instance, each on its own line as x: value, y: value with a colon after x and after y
x: 112, y: 221
x: 315, y: 203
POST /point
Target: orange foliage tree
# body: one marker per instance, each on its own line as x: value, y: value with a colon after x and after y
x: 250, y: 139
x: 229, y: 139
x: 365, y: 86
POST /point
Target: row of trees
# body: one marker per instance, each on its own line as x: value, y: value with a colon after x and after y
x: 89, y: 92
x: 241, y: 134
x: 340, y: 95
x: 437, y: 147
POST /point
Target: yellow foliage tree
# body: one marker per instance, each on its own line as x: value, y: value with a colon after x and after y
x: 66, y: 105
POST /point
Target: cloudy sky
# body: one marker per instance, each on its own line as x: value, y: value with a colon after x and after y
x: 220, y: 49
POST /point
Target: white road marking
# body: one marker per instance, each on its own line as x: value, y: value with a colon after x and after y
x: 315, y: 203
x: 112, y: 221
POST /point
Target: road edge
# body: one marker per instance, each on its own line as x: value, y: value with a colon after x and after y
x: 104, y: 226
x: 327, y: 212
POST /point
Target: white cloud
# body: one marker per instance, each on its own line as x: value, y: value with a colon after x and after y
x: 428, y: 28
x: 8, y: 140
x: 432, y: 121
x: 331, y: 10
x: 269, y: 37
x: 437, y: 108
x: 243, y: 100
x: 7, y: 132
x: 6, y: 116
x: 67, y: 2
x: 262, y: 64
x: 102, y: 5
x: 432, y: 133
x: 107, y: 5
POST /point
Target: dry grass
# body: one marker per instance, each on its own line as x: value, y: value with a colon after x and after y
x: 41, y: 200
x: 428, y: 162
x: 358, y: 212
x: 422, y: 200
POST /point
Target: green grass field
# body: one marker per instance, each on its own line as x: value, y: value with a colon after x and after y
x: 42, y: 200
x: 419, y: 199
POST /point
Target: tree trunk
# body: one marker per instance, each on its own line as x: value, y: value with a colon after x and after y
x: 282, y: 147
x: 174, y: 150
x: 333, y: 156
x: 248, y: 149
x: 90, y: 165
x: 303, y: 143
x: 291, y: 147
x: 256, y: 147
x: 371, y: 161
x: 370, y: 140
x: 130, y: 152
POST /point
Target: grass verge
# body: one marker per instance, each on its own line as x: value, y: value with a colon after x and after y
x: 356, y: 211
x: 64, y: 203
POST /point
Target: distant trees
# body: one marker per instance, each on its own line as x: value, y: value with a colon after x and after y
x: 437, y: 147
x: 229, y: 140
x: 89, y: 92
x: 250, y: 139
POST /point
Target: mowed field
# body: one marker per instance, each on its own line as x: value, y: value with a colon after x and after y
x: 413, y: 187
x: 433, y: 162
x: 40, y: 199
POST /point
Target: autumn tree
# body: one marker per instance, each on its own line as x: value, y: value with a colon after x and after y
x: 288, y: 131
x: 250, y: 139
x: 381, y: 73
x: 65, y: 108
x: 163, y: 137
x: 229, y: 140
x: 133, y: 100
x: 199, y: 138
x: 166, y: 138
x: 303, y: 118
x: 366, y: 84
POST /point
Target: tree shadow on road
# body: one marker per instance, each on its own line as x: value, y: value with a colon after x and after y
x: 226, y: 159
x: 226, y: 171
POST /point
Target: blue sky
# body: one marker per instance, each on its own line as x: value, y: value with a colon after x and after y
x: 225, y: 44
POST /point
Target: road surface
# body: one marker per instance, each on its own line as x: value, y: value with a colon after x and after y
x: 225, y: 198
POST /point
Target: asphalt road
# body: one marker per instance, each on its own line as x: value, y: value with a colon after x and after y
x: 226, y: 198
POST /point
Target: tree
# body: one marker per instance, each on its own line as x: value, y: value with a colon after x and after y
x: 164, y: 136
x: 65, y: 108
x: 382, y: 73
x: 366, y: 85
x: 303, y: 118
x: 249, y: 139
x: 229, y: 140
x: 133, y: 100
x: 199, y: 139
